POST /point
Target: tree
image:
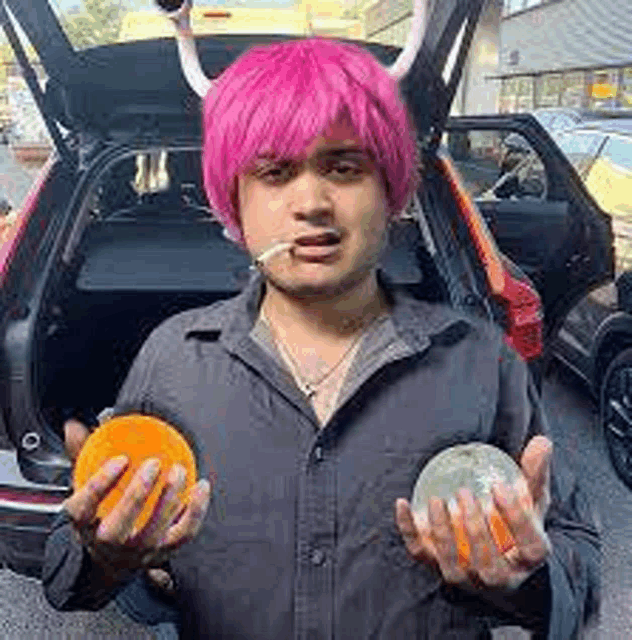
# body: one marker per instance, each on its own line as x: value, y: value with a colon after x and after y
x: 94, y: 22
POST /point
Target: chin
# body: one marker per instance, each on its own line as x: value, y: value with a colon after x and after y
x: 317, y: 287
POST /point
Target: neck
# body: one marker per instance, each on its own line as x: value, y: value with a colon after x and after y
x: 338, y: 317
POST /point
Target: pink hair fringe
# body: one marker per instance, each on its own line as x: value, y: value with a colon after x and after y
x: 278, y: 98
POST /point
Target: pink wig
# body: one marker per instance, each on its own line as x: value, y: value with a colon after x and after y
x: 279, y: 98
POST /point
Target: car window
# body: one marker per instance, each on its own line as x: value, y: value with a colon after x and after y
x: 496, y: 165
x: 580, y: 148
x: 610, y: 183
x: 545, y: 119
x: 563, y: 122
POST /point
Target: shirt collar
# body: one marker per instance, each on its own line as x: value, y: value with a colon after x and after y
x: 415, y: 321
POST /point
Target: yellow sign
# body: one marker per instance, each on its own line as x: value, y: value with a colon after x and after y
x: 603, y: 91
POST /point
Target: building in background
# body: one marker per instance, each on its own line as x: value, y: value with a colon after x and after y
x: 565, y: 53
x: 305, y: 17
x: 388, y: 22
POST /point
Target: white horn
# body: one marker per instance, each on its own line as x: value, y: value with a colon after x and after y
x: 405, y: 60
x: 179, y: 11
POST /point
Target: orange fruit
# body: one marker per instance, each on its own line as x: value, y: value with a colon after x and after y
x: 139, y: 437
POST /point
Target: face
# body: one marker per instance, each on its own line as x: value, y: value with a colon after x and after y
x: 334, y: 185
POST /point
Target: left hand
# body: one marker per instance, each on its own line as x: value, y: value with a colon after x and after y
x: 522, y: 507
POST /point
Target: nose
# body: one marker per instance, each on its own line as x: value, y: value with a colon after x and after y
x: 311, y: 199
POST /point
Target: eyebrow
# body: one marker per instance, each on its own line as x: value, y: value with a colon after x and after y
x: 335, y: 152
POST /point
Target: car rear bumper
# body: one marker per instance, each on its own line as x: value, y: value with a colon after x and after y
x: 27, y: 512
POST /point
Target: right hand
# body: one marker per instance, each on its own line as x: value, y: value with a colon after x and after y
x: 112, y: 542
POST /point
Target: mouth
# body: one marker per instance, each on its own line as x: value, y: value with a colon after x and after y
x: 325, y: 239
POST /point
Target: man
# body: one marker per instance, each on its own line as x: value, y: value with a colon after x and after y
x: 318, y: 394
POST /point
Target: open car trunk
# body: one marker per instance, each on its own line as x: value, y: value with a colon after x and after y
x: 87, y: 346
x: 142, y: 259
x: 83, y: 364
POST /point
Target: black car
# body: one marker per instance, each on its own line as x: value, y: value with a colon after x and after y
x: 595, y: 340
x: 117, y: 235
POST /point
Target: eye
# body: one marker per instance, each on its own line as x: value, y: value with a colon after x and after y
x: 275, y: 173
x: 345, y: 170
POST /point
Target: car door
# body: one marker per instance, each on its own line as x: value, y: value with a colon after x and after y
x: 608, y: 178
x: 540, y: 213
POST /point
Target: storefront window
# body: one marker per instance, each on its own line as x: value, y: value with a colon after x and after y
x: 525, y: 93
x: 603, y: 91
x: 549, y: 90
x: 574, y: 90
x: 626, y: 88
x: 508, y: 95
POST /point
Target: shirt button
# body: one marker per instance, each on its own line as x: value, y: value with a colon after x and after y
x: 318, y: 454
x: 318, y: 557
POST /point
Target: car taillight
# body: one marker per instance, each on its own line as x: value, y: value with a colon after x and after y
x: 524, y: 315
x: 520, y: 301
x: 8, y: 248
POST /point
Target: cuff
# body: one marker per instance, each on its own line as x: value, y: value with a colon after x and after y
x: 63, y: 561
x: 529, y: 606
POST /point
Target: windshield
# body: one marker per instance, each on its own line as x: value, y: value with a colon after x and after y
x: 89, y: 23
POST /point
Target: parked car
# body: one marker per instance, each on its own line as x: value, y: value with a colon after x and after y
x: 596, y: 337
x: 104, y: 252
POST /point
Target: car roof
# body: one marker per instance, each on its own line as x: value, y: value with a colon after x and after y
x: 610, y: 126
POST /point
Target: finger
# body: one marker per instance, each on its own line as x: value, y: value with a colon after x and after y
x: 161, y: 579
x: 443, y: 537
x: 535, y: 463
x: 83, y: 503
x: 415, y: 531
x: 187, y: 526
x: 487, y: 564
x: 531, y: 542
x: 165, y: 510
x: 117, y: 526
x: 75, y: 435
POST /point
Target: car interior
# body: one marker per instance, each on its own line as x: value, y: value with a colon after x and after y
x: 151, y: 247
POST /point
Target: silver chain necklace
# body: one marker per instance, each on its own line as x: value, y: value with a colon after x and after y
x: 311, y: 388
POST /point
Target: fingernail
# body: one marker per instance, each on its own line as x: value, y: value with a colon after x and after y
x: 151, y: 468
x: 503, y: 494
x: 117, y: 464
x: 523, y: 493
x: 421, y: 517
x: 468, y: 502
x: 177, y: 476
x: 436, y: 508
x: 453, y: 507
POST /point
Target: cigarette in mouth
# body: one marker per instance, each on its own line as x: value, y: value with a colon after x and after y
x: 269, y: 253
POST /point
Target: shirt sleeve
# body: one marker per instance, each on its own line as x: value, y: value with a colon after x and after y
x: 557, y: 600
x: 71, y: 580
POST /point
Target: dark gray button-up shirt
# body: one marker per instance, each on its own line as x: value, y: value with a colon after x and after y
x: 300, y: 540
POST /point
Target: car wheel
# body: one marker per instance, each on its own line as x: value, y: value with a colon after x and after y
x: 616, y: 414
